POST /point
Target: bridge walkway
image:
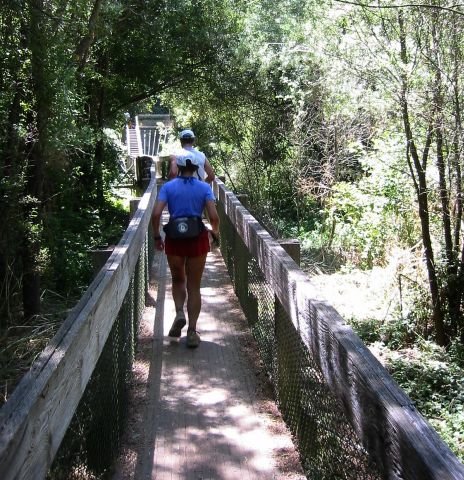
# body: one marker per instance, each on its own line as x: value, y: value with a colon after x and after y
x: 204, y: 413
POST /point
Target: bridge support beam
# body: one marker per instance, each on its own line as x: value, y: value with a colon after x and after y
x: 286, y: 389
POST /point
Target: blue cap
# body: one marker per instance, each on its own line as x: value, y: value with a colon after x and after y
x: 185, y: 134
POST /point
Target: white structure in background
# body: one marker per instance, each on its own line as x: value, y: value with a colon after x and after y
x: 153, y: 130
x: 144, y: 138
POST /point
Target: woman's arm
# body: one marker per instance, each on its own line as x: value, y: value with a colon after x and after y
x: 155, y: 222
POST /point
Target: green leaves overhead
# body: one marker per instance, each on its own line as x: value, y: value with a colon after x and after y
x: 163, y: 44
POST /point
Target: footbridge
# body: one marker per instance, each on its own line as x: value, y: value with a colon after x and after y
x: 143, y: 139
x: 198, y: 415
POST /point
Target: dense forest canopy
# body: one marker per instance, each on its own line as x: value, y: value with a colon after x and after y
x: 70, y: 70
x: 341, y: 120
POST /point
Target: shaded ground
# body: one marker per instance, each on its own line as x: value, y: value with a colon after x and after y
x: 207, y: 413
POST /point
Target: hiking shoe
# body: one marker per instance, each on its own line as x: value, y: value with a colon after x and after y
x: 177, y: 326
x: 193, y: 339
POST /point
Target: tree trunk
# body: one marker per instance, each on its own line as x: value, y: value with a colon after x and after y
x: 418, y: 169
x: 82, y: 50
x: 457, y: 145
x: 34, y: 188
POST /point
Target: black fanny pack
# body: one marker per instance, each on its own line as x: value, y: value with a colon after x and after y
x: 184, y: 227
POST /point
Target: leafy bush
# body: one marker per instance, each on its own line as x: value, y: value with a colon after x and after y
x: 430, y: 375
x: 435, y: 382
x: 368, y: 330
x: 70, y: 268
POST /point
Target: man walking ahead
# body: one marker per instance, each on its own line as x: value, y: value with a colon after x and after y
x: 187, y: 140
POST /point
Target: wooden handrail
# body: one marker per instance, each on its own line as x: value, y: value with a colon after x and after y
x: 34, y: 420
x: 398, y: 438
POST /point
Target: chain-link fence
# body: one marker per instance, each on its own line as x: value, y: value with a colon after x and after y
x: 92, y: 440
x: 328, y: 446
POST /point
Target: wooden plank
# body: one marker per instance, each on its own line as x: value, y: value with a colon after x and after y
x: 34, y: 420
x: 397, y: 437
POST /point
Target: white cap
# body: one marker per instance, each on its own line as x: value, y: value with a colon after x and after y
x: 185, y: 134
x: 182, y: 159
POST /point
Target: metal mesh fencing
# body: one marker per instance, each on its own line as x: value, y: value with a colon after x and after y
x: 92, y: 440
x: 328, y: 446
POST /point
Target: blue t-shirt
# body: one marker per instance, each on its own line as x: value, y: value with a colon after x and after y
x: 185, y: 196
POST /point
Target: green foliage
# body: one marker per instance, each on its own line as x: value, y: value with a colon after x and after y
x: 357, y: 212
x: 432, y: 376
x: 435, y: 383
x: 70, y: 268
x: 305, y: 118
x: 368, y: 330
x: 395, y: 334
x: 67, y: 72
x: 182, y: 43
x: 81, y: 218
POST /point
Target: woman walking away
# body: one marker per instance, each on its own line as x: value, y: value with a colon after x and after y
x: 187, y: 240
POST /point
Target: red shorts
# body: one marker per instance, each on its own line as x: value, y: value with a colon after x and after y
x: 188, y: 247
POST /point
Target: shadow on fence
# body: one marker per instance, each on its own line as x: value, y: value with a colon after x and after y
x: 349, y: 417
x: 66, y: 416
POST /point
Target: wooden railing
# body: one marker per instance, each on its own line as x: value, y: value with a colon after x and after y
x: 34, y: 420
x: 36, y: 417
x: 398, y: 439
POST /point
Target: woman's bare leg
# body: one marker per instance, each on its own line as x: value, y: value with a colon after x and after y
x: 194, y: 267
x: 179, y: 293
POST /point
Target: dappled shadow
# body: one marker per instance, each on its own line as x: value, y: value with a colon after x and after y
x: 207, y: 422
x: 201, y: 419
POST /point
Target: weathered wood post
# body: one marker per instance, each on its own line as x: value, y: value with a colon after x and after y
x: 243, y: 199
x: 286, y: 385
x: 99, y: 257
x: 241, y: 257
x: 293, y: 247
x: 133, y: 205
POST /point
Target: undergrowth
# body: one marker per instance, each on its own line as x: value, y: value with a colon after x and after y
x: 388, y: 307
x: 67, y: 272
x: 20, y: 345
x: 432, y: 376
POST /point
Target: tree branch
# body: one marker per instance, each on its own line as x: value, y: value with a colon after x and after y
x: 451, y: 8
x: 82, y: 50
x: 170, y: 82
